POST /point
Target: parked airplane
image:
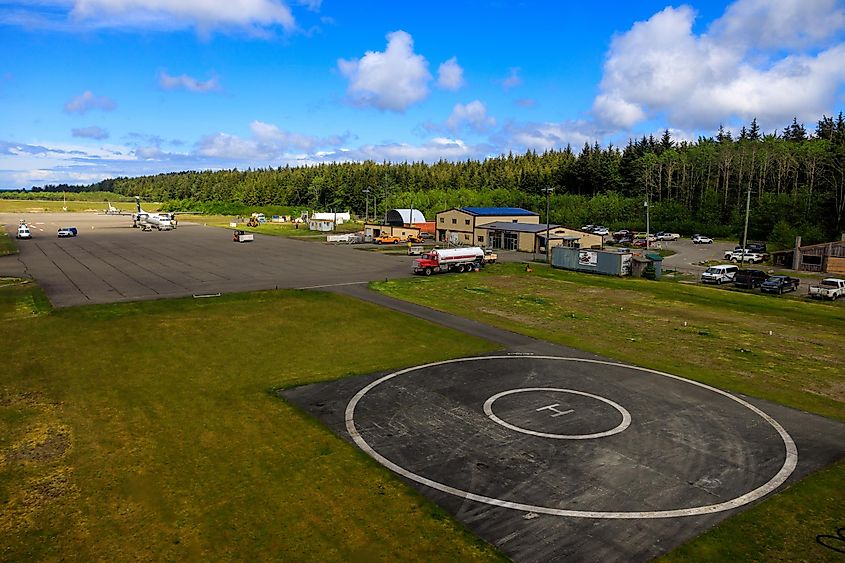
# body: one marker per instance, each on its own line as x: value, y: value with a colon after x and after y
x: 147, y: 220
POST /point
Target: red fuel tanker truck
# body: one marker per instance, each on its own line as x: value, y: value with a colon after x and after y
x: 449, y: 260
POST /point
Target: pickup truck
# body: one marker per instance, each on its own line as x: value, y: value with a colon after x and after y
x: 386, y: 239
x: 67, y: 232
x: 490, y: 257
x: 779, y: 284
x: 829, y: 288
x: 241, y: 236
x: 750, y: 256
x: 414, y: 239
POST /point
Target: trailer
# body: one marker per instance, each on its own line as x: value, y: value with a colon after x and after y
x: 241, y: 236
x: 444, y: 260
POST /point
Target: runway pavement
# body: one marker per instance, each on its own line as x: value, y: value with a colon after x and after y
x: 110, y: 262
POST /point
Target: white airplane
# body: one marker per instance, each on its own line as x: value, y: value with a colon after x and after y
x: 112, y: 210
x: 148, y: 221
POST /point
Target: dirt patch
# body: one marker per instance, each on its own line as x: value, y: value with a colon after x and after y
x: 41, y: 447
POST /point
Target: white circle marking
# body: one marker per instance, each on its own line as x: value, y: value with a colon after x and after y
x: 789, y: 463
x: 626, y: 416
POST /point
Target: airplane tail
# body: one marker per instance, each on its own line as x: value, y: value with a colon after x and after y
x: 138, y: 203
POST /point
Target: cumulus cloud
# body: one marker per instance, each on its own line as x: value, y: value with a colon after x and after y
x: 267, y: 143
x: 390, y: 80
x: 450, y: 75
x: 87, y: 101
x: 544, y: 136
x: 430, y: 151
x: 255, y: 14
x: 513, y: 79
x: 472, y: 115
x: 189, y: 83
x: 92, y: 132
x: 736, y: 70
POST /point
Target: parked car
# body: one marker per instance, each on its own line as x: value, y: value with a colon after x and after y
x: 651, y: 237
x: 426, y: 236
x: 67, y: 232
x: 828, y: 288
x: 754, y: 246
x: 719, y: 274
x: 600, y: 230
x: 750, y: 279
x: 738, y: 255
x: 701, y: 239
x: 588, y: 228
x: 627, y: 239
x: 23, y: 232
x: 779, y: 284
x: 667, y: 236
x: 414, y: 239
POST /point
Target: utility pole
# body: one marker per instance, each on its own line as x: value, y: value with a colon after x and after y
x: 647, y: 222
x: 548, y: 191
x: 366, y: 192
x: 745, y: 231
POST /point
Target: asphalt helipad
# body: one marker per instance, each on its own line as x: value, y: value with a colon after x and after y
x: 550, y: 457
x: 110, y: 261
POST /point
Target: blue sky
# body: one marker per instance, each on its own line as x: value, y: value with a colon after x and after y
x: 91, y: 89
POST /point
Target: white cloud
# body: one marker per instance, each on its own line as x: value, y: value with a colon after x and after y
x: 87, y: 101
x: 203, y: 14
x: 92, y: 132
x: 389, y: 80
x: 185, y: 82
x: 513, y: 80
x: 450, y: 75
x: 779, y: 24
x: 473, y: 115
x: 268, y: 143
x: 431, y: 151
x: 544, y: 136
x: 737, y: 70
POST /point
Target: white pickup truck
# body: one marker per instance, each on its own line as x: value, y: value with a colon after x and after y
x: 830, y: 288
x: 241, y: 236
x: 751, y: 257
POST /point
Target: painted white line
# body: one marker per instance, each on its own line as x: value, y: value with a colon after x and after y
x: 626, y: 416
x: 789, y: 463
x: 332, y: 285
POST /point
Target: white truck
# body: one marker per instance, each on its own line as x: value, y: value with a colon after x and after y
x: 241, y: 236
x: 748, y: 255
x: 829, y: 288
x: 441, y: 260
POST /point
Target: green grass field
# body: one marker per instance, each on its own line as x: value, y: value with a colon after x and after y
x: 275, y: 229
x: 152, y: 431
x: 708, y: 334
x: 73, y: 206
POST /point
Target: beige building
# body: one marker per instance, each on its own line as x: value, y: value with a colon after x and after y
x: 532, y: 237
x: 461, y: 225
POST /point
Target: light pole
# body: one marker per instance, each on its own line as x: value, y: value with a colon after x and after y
x: 745, y: 231
x: 548, y: 191
x: 366, y: 192
x: 647, y: 222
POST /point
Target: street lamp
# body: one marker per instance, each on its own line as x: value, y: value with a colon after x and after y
x: 548, y: 190
x: 745, y: 231
x: 366, y: 192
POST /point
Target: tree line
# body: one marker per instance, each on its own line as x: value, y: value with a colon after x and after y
x: 796, y: 179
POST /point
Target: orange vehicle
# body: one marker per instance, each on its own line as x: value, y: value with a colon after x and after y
x: 414, y: 239
x: 386, y: 239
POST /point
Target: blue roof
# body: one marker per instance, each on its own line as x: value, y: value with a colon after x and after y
x: 488, y: 211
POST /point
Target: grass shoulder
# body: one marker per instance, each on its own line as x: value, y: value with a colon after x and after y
x: 7, y: 243
x: 153, y: 430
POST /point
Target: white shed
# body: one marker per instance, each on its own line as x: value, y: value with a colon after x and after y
x: 322, y: 225
x: 340, y: 218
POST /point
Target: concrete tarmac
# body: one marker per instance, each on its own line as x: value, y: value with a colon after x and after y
x: 110, y: 261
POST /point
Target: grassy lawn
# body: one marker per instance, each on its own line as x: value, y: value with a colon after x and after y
x: 151, y: 431
x: 7, y: 243
x: 718, y: 337
x: 43, y: 206
x: 275, y: 229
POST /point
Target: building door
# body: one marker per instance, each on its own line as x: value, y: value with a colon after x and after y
x: 511, y: 241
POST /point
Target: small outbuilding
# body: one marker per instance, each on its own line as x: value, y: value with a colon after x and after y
x: 826, y: 257
x: 400, y: 217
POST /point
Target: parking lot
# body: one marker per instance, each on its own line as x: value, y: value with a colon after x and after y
x: 109, y: 261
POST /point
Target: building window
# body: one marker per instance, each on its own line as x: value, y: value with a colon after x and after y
x: 454, y: 221
x: 466, y: 237
x: 480, y: 239
x: 442, y: 220
x: 811, y: 259
x: 466, y: 221
x: 515, y: 221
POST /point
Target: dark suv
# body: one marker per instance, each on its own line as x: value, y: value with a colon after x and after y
x: 749, y: 279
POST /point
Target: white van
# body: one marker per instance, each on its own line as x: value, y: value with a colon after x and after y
x: 23, y: 232
x: 719, y: 274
